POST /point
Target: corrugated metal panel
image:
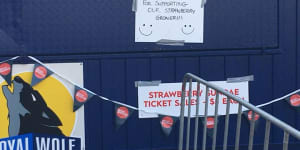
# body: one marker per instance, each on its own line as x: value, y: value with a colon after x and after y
x: 92, y: 26
x: 88, y: 28
x: 137, y: 70
x: 284, y: 75
x: 298, y: 55
x: 10, y: 29
x: 233, y: 63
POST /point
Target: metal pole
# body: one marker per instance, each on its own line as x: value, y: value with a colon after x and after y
x: 216, y: 122
x: 285, y: 141
x: 238, y: 128
x: 226, y: 124
x: 267, y: 135
x: 189, y: 117
x: 205, y: 119
x: 259, y: 111
x: 197, y: 117
x: 251, y: 134
x: 180, y: 142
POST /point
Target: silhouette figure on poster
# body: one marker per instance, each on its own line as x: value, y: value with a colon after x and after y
x: 28, y: 111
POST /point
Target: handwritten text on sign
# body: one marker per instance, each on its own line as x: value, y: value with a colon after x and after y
x: 169, y: 19
x: 166, y: 98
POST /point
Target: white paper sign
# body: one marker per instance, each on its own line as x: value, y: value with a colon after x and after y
x: 169, y: 19
x: 165, y: 99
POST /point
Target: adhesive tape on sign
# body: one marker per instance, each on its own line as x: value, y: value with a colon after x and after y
x: 81, y: 96
x: 40, y: 72
x: 122, y: 112
x: 295, y: 100
x: 5, y: 69
x: 167, y: 122
x: 210, y: 123
x: 256, y: 116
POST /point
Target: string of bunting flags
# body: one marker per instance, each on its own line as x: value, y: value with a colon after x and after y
x: 123, y: 111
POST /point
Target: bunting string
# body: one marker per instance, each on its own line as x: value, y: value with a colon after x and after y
x: 101, y: 97
x: 278, y: 99
x: 10, y: 59
x: 129, y: 106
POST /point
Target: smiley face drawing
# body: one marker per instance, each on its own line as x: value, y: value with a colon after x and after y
x: 145, y: 30
x: 187, y: 29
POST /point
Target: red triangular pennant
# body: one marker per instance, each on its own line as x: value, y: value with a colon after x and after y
x: 167, y: 123
x: 248, y: 115
x: 294, y: 100
x: 81, y: 96
x: 122, y: 113
x: 6, y: 70
x: 40, y: 73
x: 210, y: 124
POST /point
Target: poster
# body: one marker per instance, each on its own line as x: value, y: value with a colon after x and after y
x: 166, y: 98
x: 54, y: 94
x: 169, y: 19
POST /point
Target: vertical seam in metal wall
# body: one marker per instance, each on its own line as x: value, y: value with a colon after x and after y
x: 198, y: 57
x: 225, y: 78
x: 272, y: 93
x: 297, y: 53
x: 175, y: 78
x: 125, y: 97
x: 278, y: 23
x: 240, y: 142
x: 100, y: 102
x: 150, y: 75
x: 224, y: 65
x: 271, y: 140
x: 22, y: 38
x: 261, y: 25
x: 200, y: 74
x: 297, y: 39
x: 100, y: 67
x: 86, y: 140
x: 175, y: 62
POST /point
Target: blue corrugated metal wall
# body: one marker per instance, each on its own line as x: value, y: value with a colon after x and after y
x: 241, y: 38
